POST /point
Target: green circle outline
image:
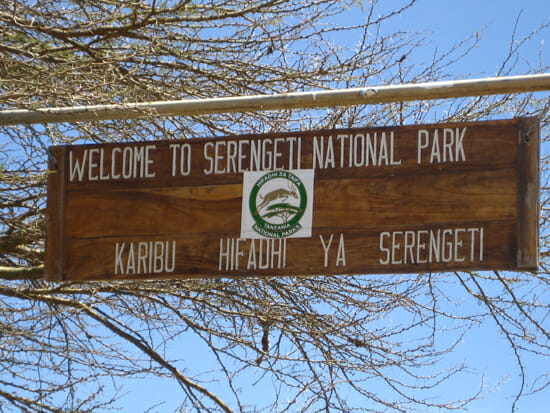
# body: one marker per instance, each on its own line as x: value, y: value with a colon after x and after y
x: 278, y: 228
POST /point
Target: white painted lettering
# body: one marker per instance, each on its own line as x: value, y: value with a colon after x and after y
x: 209, y: 158
x: 435, y: 148
x: 278, y: 252
x: 114, y: 153
x: 383, y: 154
x: 435, y: 246
x: 218, y: 158
x: 481, y: 244
x: 421, y: 247
x: 329, y: 159
x: 138, y: 162
x: 447, y: 246
x: 238, y: 252
x: 342, y: 142
x: 458, y: 245
x: 359, y: 149
x: 276, y: 153
x: 242, y: 155
x: 251, y: 265
x: 141, y: 258
x: 159, y: 255
x: 382, y: 248
x: 409, y: 246
x: 76, y: 168
x: 318, y: 152
x: 448, y: 142
x: 459, y: 148
x: 291, y: 140
x: 444, y: 245
x: 393, y: 162
x: 238, y: 156
x: 167, y: 266
x: 267, y: 155
x: 371, y: 153
x: 232, y: 152
x: 119, y: 251
x: 92, y: 165
x: 255, y: 155
x: 127, y: 162
x: 224, y: 254
x: 326, y: 247
x: 449, y: 149
x: 423, y: 142
x: 183, y: 152
x: 102, y: 175
x: 232, y: 256
x: 341, y: 255
x: 131, y: 261
x: 396, y: 246
x: 263, y: 265
x: 149, y: 162
x: 263, y: 254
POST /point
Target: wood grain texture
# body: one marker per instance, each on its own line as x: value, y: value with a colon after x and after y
x: 346, y: 203
x: 528, y: 194
x: 487, y: 145
x: 54, y: 264
x: 361, y: 253
x: 474, y: 191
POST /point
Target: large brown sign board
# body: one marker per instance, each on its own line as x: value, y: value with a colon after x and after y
x: 424, y: 198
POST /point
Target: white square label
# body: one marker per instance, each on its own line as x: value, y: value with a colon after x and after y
x: 277, y: 204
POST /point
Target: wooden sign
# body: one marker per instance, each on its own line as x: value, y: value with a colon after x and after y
x: 355, y: 201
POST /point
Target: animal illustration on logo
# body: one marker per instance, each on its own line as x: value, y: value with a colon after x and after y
x: 275, y: 195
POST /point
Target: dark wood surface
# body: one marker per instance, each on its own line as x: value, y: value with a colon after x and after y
x: 484, y: 191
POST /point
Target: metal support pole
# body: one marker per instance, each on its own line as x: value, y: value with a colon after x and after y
x: 318, y: 99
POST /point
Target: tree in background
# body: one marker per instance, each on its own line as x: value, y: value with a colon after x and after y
x: 308, y: 343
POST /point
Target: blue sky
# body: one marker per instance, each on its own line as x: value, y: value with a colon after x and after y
x: 448, y: 22
x: 451, y: 21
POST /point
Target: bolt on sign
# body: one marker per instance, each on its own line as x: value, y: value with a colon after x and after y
x: 454, y: 196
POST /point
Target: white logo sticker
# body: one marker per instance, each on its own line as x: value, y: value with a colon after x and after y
x: 277, y: 204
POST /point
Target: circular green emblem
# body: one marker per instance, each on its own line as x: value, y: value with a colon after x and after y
x: 277, y: 203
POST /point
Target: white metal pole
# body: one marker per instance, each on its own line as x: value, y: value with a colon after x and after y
x: 317, y: 99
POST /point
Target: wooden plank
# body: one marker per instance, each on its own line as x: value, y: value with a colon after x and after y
x: 528, y: 194
x: 220, y: 161
x: 393, y: 199
x: 55, y: 211
x: 384, y: 249
x: 401, y: 199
